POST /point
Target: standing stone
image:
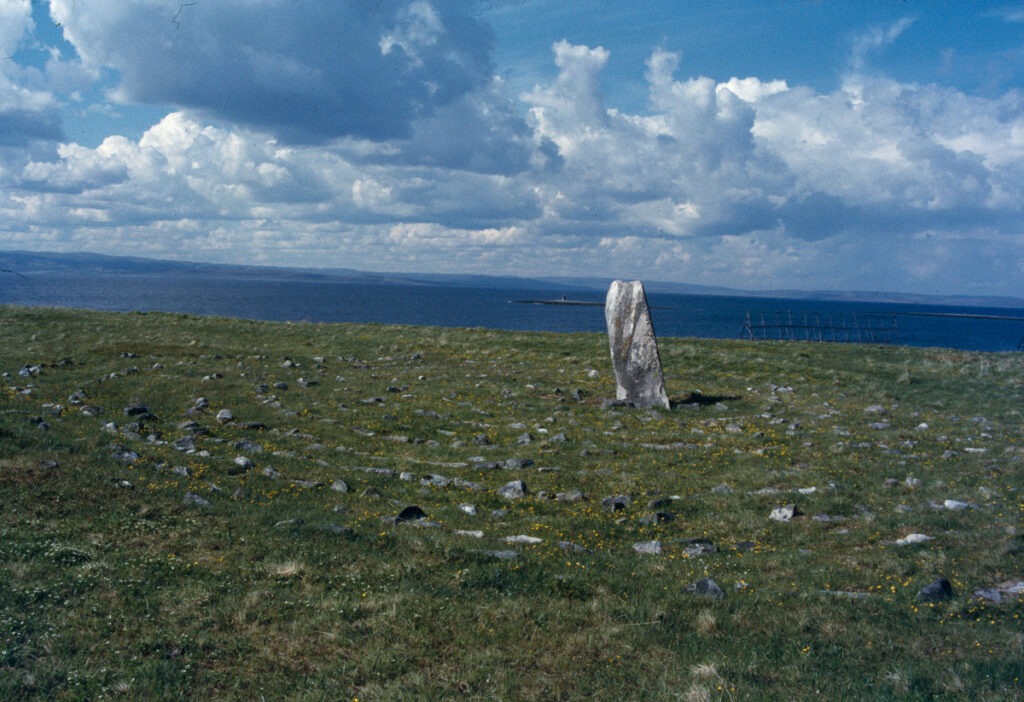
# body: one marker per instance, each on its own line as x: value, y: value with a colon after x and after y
x: 635, y: 360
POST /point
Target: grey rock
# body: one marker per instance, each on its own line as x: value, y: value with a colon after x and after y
x: 225, y: 416
x: 340, y: 485
x: 248, y: 446
x: 699, y: 547
x: 240, y: 465
x: 271, y: 473
x: 517, y: 463
x: 468, y: 509
x: 616, y: 503
x: 194, y: 500
x: 722, y: 489
x: 185, y: 443
x: 524, y: 439
x: 570, y: 496
x: 706, y: 587
x: 124, y: 455
x: 650, y: 548
x: 296, y: 521
x: 634, y: 349
x: 656, y: 518
x: 513, y: 490
x: 570, y: 547
x: 337, y: 530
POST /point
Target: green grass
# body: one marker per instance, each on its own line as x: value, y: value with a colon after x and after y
x: 110, y: 592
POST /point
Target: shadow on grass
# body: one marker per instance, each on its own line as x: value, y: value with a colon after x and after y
x: 695, y: 398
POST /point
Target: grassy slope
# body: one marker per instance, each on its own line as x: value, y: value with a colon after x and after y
x: 110, y: 591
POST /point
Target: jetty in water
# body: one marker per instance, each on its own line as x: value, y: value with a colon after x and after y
x: 561, y: 301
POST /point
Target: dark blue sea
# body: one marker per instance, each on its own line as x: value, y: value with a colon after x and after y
x: 285, y: 298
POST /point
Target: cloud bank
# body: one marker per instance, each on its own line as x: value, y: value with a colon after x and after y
x: 377, y: 135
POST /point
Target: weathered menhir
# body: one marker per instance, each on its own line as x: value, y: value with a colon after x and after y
x: 638, y: 376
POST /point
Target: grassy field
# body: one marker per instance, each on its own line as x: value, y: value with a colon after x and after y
x: 151, y: 550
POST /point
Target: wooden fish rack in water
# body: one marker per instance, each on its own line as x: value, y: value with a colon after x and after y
x: 856, y: 329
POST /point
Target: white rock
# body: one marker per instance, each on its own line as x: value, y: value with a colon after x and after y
x: 913, y: 539
x: 522, y: 539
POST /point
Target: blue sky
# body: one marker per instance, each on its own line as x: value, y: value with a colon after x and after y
x: 758, y: 145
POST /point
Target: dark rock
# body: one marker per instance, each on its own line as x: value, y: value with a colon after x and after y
x: 616, y: 503
x: 936, y: 591
x: 185, y: 443
x: 135, y: 409
x: 412, y: 513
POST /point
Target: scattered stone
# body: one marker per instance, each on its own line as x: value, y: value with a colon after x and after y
x: 296, y: 521
x: 634, y: 349
x: 956, y: 505
x: 570, y: 496
x: 186, y: 444
x: 890, y: 483
x: 524, y: 439
x: 507, y: 555
x: 498, y: 514
x: 1004, y: 592
x: 307, y: 483
x: 785, y: 513
x: 936, y: 591
x: 248, y: 446
x: 122, y: 483
x: 656, y: 518
x: 699, y: 547
x: 412, y: 513
x: 337, y: 530
x: 271, y: 473
x: 518, y: 463
x: 48, y: 464
x: 722, y: 489
x: 124, y: 455
x: 706, y: 587
x: 370, y: 492
x: 651, y: 548
x: 616, y: 503
x: 522, y: 539
x: 849, y: 594
x: 912, y: 482
x: 474, y: 533
x: 136, y: 409
x: 513, y: 490
x: 570, y: 547
x: 194, y: 500
x: 340, y: 485
x: 913, y: 539
x: 241, y: 464
x: 225, y: 416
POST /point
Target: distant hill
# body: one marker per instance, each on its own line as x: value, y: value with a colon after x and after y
x: 30, y: 264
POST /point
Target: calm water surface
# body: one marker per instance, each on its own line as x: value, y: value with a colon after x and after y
x: 281, y: 298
